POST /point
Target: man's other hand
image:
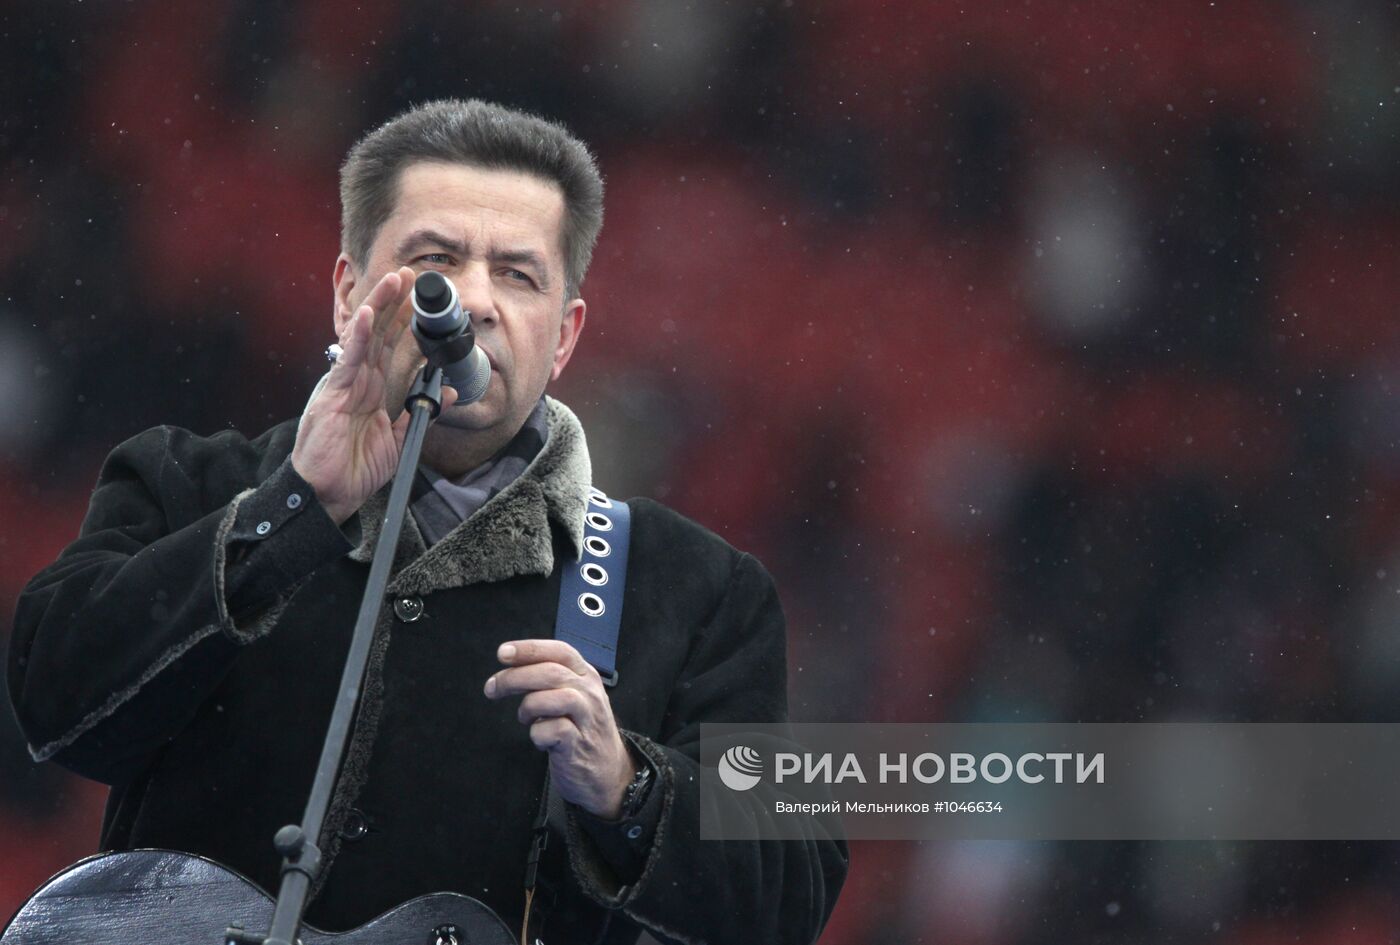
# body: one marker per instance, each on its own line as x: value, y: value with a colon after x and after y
x: 570, y: 717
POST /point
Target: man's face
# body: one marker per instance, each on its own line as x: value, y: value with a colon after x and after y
x: 496, y: 235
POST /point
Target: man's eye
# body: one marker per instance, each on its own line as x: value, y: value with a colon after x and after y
x: 440, y: 259
x: 515, y: 275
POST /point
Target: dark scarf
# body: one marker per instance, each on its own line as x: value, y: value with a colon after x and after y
x: 440, y: 504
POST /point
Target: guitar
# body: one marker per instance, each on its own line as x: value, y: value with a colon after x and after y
x: 159, y: 896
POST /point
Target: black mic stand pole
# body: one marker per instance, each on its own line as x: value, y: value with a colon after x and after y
x: 301, y: 857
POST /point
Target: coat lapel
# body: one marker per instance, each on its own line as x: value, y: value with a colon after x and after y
x: 507, y: 537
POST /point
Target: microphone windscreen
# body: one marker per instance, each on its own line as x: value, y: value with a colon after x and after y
x: 470, y: 376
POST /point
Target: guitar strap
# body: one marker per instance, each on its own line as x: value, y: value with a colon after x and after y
x: 590, y: 619
x: 590, y: 590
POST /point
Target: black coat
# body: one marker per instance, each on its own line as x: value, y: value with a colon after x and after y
x: 186, y: 650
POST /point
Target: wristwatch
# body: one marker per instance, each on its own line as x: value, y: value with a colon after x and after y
x: 635, y: 795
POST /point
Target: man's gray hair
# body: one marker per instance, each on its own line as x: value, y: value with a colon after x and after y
x: 478, y: 134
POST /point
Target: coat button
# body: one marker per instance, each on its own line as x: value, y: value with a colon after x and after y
x: 293, y: 501
x: 634, y: 831
x: 408, y: 609
x: 263, y: 528
x: 355, y: 827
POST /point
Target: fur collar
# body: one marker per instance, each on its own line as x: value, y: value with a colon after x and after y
x: 509, y: 535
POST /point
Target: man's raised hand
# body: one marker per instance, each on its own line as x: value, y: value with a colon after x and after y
x: 348, y: 446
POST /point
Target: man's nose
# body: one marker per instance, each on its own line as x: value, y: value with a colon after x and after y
x: 474, y: 292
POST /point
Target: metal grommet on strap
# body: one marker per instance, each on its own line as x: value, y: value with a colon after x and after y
x: 600, y: 500
x: 594, y: 574
x: 597, y: 547
x: 599, y: 521
x: 591, y: 604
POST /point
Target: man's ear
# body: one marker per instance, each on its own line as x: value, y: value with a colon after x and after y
x: 570, y: 327
x: 344, y: 280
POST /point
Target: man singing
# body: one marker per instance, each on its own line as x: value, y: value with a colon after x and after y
x: 186, y: 648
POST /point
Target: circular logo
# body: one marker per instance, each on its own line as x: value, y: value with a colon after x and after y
x: 740, y: 768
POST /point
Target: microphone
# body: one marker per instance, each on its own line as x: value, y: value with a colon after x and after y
x: 445, y: 336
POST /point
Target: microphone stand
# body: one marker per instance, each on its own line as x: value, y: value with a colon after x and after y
x: 301, y: 857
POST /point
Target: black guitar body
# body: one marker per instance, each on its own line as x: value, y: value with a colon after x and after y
x: 157, y: 897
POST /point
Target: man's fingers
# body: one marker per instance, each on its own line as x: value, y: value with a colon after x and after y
x: 400, y: 315
x: 532, y: 678
x: 551, y: 703
x: 525, y: 652
x: 386, y: 302
x: 552, y: 734
x: 354, y: 345
x: 374, y: 329
x: 386, y: 297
